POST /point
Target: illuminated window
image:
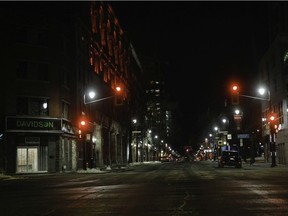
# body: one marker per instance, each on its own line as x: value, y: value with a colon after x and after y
x: 32, y: 106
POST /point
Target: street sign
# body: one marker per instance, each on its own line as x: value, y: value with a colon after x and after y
x: 243, y: 136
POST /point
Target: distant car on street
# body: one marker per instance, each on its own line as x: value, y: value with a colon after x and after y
x: 230, y: 158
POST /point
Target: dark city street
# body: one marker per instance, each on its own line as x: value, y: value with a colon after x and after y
x: 172, y: 188
x: 155, y: 108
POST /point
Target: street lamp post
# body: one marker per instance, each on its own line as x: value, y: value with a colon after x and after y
x: 136, y: 139
x: 262, y: 91
x: 157, y: 157
x: 90, y: 97
x: 266, y: 92
x: 217, y: 152
x: 83, y: 130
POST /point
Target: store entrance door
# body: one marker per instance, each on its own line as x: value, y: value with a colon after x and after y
x: 27, y: 159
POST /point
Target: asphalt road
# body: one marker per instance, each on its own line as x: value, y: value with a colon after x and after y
x: 182, y: 188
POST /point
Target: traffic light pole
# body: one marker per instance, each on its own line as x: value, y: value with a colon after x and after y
x: 273, y: 150
x: 84, y: 153
x: 272, y: 135
x: 93, y: 101
x: 272, y: 140
x: 89, y: 98
x: 253, y: 97
x: 117, y: 96
x: 272, y: 129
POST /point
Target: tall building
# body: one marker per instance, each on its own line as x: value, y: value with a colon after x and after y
x: 273, y: 70
x: 159, y: 108
x: 52, y: 54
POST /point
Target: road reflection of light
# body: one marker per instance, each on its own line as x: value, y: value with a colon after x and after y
x: 70, y: 183
x: 267, y: 193
x: 78, y: 189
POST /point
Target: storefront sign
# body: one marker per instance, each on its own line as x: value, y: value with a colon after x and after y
x: 38, y: 124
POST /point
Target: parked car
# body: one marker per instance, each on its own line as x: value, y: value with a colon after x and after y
x: 230, y: 158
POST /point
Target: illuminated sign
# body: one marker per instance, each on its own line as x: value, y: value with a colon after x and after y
x: 38, y: 124
x: 243, y: 136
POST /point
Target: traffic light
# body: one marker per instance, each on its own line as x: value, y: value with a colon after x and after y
x: 235, y: 95
x: 83, y: 124
x: 118, y: 96
x: 272, y: 123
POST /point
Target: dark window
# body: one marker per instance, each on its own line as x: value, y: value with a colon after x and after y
x: 32, y: 71
x: 22, y: 70
x: 43, y: 72
x: 65, y: 79
x: 43, y: 38
x: 21, y: 36
x: 31, y: 36
x: 22, y: 106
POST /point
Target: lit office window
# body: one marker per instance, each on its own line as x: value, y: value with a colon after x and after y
x: 32, y: 106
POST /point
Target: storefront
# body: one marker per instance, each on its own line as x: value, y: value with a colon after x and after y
x: 36, y: 145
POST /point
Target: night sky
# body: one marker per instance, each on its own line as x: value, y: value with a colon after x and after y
x: 208, y: 45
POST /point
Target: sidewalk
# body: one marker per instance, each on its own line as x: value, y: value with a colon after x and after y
x: 262, y: 164
x: 259, y: 163
x: 5, y: 177
x: 112, y: 168
x: 260, y: 159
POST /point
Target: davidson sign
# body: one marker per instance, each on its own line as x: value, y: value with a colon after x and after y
x: 38, y: 124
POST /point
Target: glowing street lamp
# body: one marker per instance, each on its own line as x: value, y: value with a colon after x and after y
x: 263, y: 91
x: 90, y: 96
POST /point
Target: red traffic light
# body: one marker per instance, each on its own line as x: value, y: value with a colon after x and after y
x: 272, y: 122
x: 118, y: 88
x: 82, y: 127
x: 118, y: 96
x: 272, y: 118
x: 235, y: 88
x: 82, y: 122
x: 235, y: 95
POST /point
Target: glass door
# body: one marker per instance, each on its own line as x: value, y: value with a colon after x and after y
x: 27, y: 159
